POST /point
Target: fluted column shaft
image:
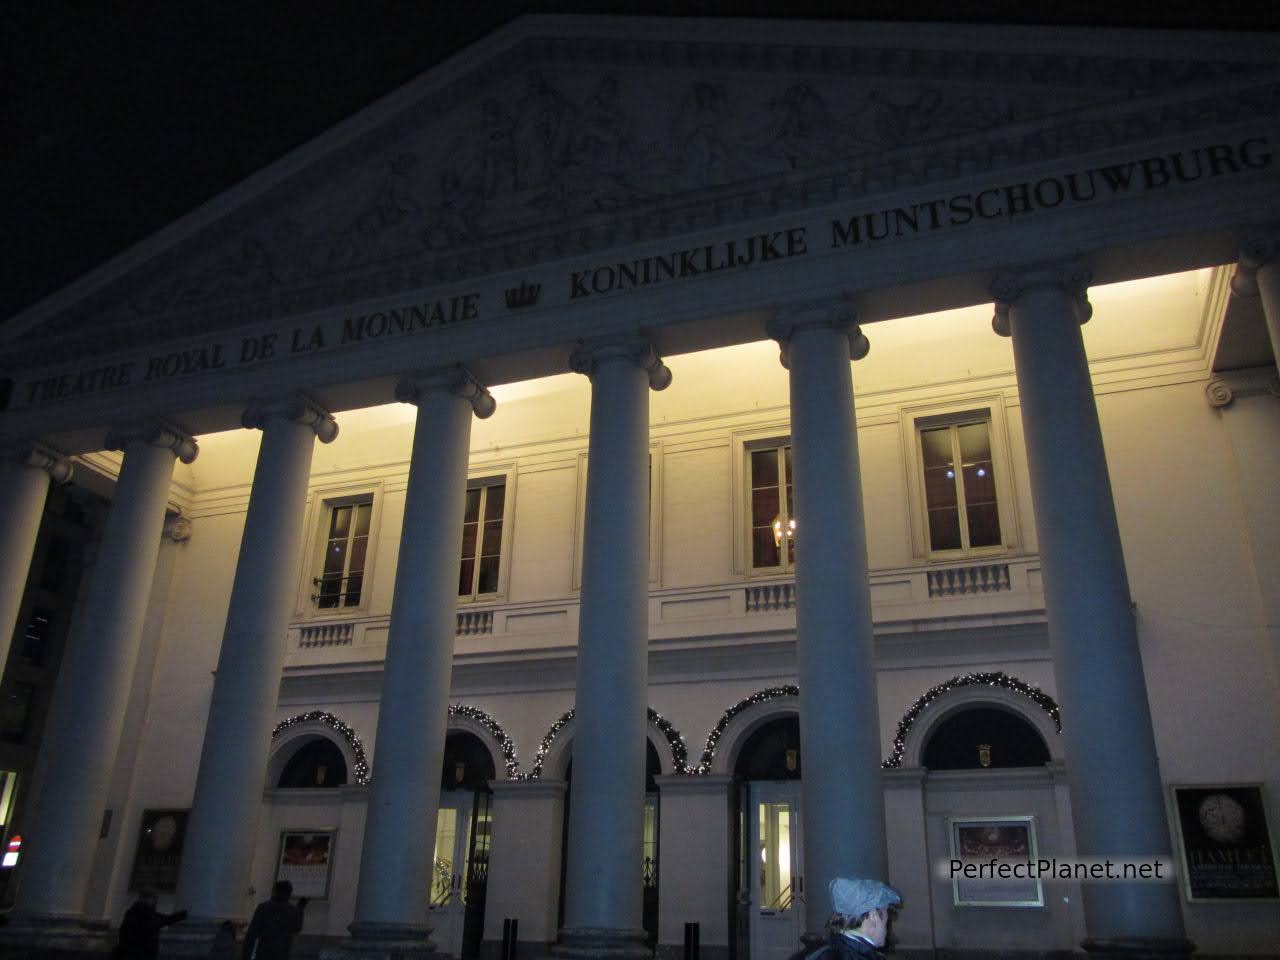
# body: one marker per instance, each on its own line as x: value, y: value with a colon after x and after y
x: 24, y: 485
x: 87, y: 713
x: 1117, y: 798
x: 399, y: 836
x: 1259, y: 274
x: 221, y: 835
x: 604, y: 883
x: 843, y: 801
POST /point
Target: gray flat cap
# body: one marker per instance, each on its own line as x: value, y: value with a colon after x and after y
x: 854, y: 897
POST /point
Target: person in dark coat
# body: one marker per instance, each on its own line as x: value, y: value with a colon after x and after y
x: 270, y: 933
x: 139, y: 936
x: 859, y: 926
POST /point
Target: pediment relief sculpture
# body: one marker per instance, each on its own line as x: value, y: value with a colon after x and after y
x: 553, y: 155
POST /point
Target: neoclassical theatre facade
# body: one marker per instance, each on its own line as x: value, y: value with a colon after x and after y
x: 644, y: 469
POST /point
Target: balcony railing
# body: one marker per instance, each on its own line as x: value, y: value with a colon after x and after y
x: 907, y: 598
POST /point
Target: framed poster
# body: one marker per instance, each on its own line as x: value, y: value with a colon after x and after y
x: 1224, y: 843
x: 305, y: 860
x: 159, y: 853
x: 977, y: 842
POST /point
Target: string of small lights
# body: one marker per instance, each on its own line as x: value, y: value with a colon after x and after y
x: 495, y: 730
x: 713, y: 738
x: 679, y: 752
x: 995, y: 679
x: 343, y: 729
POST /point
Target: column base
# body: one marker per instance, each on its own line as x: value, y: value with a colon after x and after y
x: 601, y: 943
x: 30, y: 935
x: 1138, y: 948
x: 193, y: 937
x: 385, y: 941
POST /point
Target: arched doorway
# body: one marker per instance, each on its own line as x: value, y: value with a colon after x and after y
x: 464, y: 835
x: 652, y: 819
x: 770, y: 852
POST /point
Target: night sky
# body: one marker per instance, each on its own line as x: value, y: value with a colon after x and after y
x: 119, y: 117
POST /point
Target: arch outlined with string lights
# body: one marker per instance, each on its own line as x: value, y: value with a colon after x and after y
x: 740, y: 720
x: 473, y: 720
x: 548, y: 755
x: 995, y: 689
x: 321, y: 723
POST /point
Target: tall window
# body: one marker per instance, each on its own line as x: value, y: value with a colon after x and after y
x: 346, y: 549
x: 960, y: 486
x: 481, y: 539
x: 773, y: 522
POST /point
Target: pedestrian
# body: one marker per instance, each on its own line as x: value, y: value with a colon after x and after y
x: 270, y: 933
x: 139, y: 935
x: 862, y: 911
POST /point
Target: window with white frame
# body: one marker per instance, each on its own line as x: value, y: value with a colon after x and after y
x: 960, y: 486
x: 340, y: 581
x: 482, y: 522
x: 772, y: 512
x: 959, y: 482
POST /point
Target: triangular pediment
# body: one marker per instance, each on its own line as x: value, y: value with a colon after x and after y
x: 557, y: 136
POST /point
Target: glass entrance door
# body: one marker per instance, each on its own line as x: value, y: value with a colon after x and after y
x: 459, y: 874
x: 775, y: 866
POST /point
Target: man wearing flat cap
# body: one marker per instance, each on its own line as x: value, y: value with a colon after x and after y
x: 859, y: 922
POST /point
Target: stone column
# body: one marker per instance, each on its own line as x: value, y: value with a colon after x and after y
x: 1116, y: 793
x: 218, y: 852
x: 604, y: 882
x: 400, y: 830
x: 87, y: 713
x: 25, y: 473
x: 1258, y: 274
x: 839, y: 720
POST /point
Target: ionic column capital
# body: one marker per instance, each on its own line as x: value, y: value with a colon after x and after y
x: 157, y: 433
x: 297, y: 408
x: 1072, y: 278
x: 1258, y: 248
x: 456, y: 380
x: 589, y: 354
x: 39, y: 457
x: 838, y: 315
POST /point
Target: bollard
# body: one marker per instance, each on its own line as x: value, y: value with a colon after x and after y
x: 691, y: 945
x: 510, y: 937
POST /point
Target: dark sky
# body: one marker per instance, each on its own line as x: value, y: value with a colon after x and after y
x: 117, y: 117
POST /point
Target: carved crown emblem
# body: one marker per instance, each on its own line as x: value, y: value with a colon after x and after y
x: 525, y: 295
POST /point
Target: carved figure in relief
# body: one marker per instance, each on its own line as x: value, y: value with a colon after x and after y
x: 603, y: 138
x: 901, y: 123
x: 497, y: 148
x: 386, y: 225
x: 295, y: 256
x: 699, y: 141
x: 801, y: 130
x: 541, y: 131
x: 452, y: 220
x: 248, y: 268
